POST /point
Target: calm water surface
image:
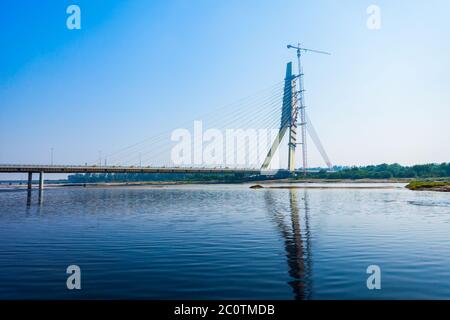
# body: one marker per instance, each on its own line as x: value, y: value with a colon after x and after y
x: 225, y: 242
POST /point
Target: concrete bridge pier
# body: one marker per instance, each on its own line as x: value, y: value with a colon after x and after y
x: 41, y: 181
x: 41, y: 188
x: 30, y: 178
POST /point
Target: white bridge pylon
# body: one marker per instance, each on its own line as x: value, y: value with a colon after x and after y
x: 289, y: 113
x: 293, y: 102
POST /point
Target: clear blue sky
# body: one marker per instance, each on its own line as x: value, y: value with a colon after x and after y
x: 139, y: 67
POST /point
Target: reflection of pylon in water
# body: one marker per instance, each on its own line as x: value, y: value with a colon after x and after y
x: 293, y: 102
x: 296, y: 234
x: 296, y: 252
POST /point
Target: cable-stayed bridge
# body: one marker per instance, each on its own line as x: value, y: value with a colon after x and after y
x: 246, y: 137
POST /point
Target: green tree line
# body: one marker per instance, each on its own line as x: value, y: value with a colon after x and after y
x: 387, y: 171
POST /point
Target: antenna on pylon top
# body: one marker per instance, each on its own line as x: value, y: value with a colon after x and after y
x: 299, y: 49
x: 301, y: 101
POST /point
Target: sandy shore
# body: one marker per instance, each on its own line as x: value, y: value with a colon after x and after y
x: 266, y: 184
x: 326, y: 187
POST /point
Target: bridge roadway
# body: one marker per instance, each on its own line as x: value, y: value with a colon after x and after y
x: 118, y: 169
x: 41, y: 169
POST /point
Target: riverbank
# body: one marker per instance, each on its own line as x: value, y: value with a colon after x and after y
x: 441, y: 186
x: 324, y: 186
x: 268, y: 184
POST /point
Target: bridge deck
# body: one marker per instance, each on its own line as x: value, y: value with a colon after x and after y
x: 117, y: 169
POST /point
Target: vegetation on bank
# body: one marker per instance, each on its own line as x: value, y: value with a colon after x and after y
x: 429, y: 185
x: 386, y: 171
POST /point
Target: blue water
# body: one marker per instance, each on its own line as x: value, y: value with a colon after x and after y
x: 225, y: 242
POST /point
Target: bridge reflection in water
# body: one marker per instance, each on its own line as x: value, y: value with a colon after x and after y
x: 296, y: 236
x: 40, y: 197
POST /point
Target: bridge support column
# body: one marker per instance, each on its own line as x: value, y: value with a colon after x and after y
x: 30, y: 178
x: 41, y: 181
x: 41, y: 187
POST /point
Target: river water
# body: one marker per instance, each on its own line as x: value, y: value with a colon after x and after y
x: 225, y: 242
